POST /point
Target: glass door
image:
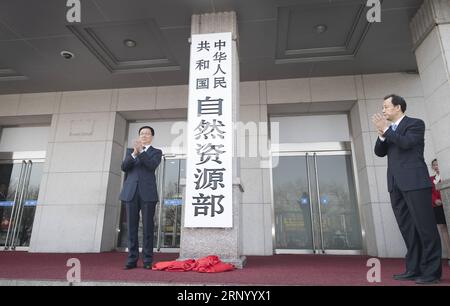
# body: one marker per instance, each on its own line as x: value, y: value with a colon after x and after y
x: 315, y: 203
x: 19, y: 190
x: 336, y: 205
x: 168, y: 210
x: 291, y: 190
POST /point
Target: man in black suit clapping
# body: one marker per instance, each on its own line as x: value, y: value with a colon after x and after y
x: 402, y: 140
x: 139, y: 193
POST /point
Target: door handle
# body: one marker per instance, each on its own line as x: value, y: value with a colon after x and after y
x: 318, y: 201
x: 161, y: 199
x: 308, y: 178
x: 23, y: 196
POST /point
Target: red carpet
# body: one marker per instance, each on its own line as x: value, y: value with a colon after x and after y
x: 259, y: 270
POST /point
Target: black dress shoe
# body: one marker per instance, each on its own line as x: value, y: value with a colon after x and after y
x: 427, y: 280
x: 130, y: 266
x: 148, y: 266
x: 406, y: 276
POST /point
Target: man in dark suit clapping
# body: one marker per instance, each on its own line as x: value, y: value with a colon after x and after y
x: 402, y: 140
x: 140, y: 194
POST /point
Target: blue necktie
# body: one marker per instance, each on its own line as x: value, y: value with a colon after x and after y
x: 394, y: 127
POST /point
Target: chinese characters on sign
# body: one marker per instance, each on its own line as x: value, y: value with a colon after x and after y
x: 210, y: 133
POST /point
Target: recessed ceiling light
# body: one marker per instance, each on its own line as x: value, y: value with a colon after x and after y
x: 129, y: 43
x: 320, y: 28
x: 67, y: 54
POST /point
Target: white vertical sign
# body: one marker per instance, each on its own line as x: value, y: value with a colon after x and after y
x: 209, y: 177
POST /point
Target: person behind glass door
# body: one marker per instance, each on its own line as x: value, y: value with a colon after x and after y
x: 438, y: 208
x: 139, y: 193
x: 409, y: 186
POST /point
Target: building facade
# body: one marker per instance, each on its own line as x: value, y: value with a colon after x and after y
x: 311, y: 181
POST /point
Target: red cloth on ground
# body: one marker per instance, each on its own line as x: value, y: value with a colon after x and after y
x: 217, y: 267
x: 174, y: 265
x: 208, y: 264
x: 162, y: 265
x: 185, y: 265
x: 205, y: 262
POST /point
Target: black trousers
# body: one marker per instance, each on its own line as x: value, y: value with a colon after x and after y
x: 148, y: 212
x: 417, y: 223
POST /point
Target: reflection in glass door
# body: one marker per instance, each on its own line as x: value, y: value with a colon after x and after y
x: 315, y: 203
x: 19, y: 190
x: 168, y: 210
x: 293, y: 228
x: 168, y: 224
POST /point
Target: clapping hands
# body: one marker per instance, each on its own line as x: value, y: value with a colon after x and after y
x: 138, y: 147
x: 380, y: 123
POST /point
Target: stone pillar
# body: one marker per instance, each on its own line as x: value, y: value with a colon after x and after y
x: 78, y: 204
x: 223, y: 242
x: 430, y: 29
